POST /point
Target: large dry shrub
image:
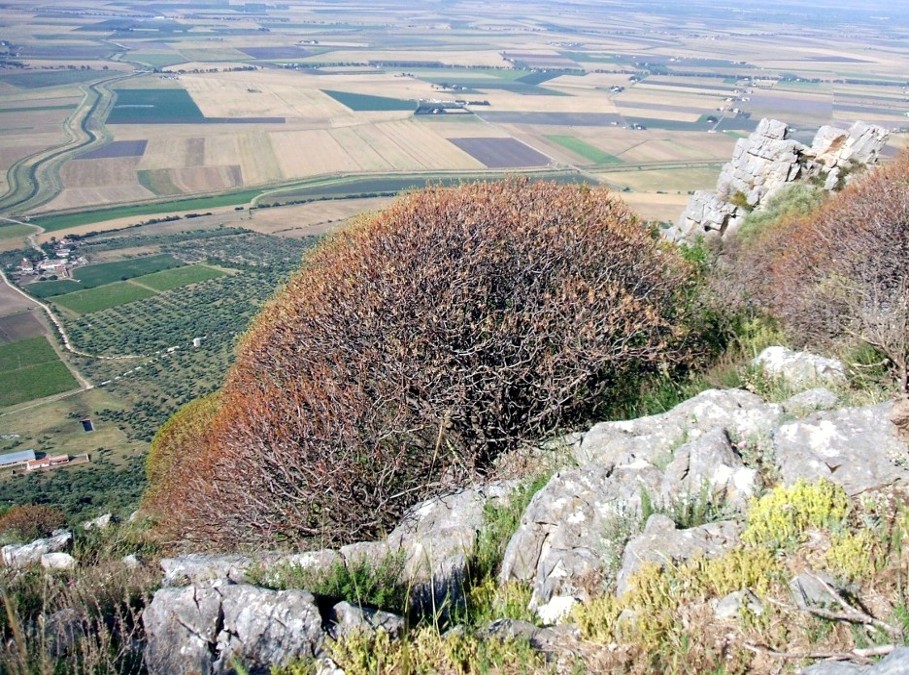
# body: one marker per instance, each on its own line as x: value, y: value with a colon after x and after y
x: 27, y: 522
x: 412, y: 349
x: 840, y: 273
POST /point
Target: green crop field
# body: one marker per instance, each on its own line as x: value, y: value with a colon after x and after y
x: 368, y: 103
x: 154, y: 106
x: 181, y: 276
x: 585, y: 150
x: 30, y: 369
x: 93, y: 276
x: 103, y: 297
x: 49, y: 78
x: 157, y: 60
x: 62, y: 222
x: 25, y: 353
x: 14, y: 231
x: 48, y: 289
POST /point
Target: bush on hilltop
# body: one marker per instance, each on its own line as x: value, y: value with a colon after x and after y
x: 414, y: 348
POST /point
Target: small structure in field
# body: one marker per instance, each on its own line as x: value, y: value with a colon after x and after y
x: 48, y: 462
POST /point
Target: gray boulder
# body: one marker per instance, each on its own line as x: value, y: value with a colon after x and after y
x: 731, y: 606
x: 99, y: 523
x: 655, y: 437
x: 801, y: 370
x: 812, y: 400
x: 813, y: 590
x: 364, y: 551
x: 559, y: 545
x: 864, y: 144
x: 16, y: 555
x: 436, y: 539
x: 827, y: 144
x: 202, y: 629
x: 58, y: 561
x: 761, y: 164
x: 195, y: 568
x: 662, y: 543
x: 708, y: 215
x: 855, y: 447
x: 550, y: 638
x: 709, y: 463
x: 347, y: 619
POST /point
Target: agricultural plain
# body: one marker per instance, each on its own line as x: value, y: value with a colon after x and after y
x: 231, y: 99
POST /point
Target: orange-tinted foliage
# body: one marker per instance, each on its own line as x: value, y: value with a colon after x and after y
x: 841, y: 272
x: 412, y: 349
x: 31, y: 521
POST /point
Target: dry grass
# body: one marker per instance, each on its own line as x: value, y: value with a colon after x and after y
x: 12, y: 302
x: 312, y: 219
x: 76, y: 198
x: 652, y: 206
x: 491, y: 58
x: 90, y: 173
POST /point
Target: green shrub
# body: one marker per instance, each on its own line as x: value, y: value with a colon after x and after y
x: 793, y: 200
x: 412, y: 350
x: 363, y: 582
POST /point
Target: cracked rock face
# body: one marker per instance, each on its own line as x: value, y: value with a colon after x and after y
x: 566, y: 535
x: 855, y: 447
x: 202, y: 629
x: 662, y: 543
x: 767, y: 161
x: 437, y: 538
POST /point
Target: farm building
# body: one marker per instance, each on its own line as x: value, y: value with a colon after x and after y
x: 52, y: 267
x: 46, y: 462
x: 12, y: 459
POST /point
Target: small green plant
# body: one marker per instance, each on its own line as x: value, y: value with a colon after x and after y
x: 686, y: 510
x: 740, y: 199
x: 757, y: 452
x: 782, y: 517
x: 362, y: 582
x: 485, y: 599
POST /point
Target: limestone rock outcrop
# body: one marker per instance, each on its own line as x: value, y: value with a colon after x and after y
x: 16, y: 555
x: 768, y: 160
x: 580, y: 533
x: 204, y: 628
x: 800, y: 369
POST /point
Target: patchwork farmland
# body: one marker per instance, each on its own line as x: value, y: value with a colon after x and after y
x: 197, y: 105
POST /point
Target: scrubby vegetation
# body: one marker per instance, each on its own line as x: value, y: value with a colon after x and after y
x: 25, y: 522
x: 415, y: 351
x: 666, y: 621
x: 86, y: 620
x: 835, y: 275
x: 412, y: 350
